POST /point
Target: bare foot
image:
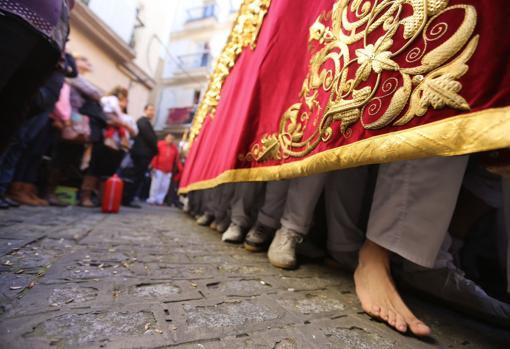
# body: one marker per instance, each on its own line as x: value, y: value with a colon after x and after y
x: 377, y: 293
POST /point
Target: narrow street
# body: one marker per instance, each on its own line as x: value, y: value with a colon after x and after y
x: 151, y: 278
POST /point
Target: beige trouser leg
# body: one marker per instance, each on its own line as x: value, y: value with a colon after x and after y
x: 413, y: 205
x: 506, y: 196
x: 302, y: 198
x: 274, y: 204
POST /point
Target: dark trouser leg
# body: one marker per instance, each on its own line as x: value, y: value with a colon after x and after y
x: 19, y: 148
x: 16, y: 42
x: 20, y: 74
x: 37, y: 144
x: 140, y: 166
x: 344, y: 193
x: 245, y: 199
x: 224, y: 202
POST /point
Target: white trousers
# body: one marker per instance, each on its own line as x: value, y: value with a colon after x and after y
x: 411, y: 210
x: 159, y: 187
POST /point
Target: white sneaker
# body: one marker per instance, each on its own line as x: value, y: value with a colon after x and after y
x: 223, y: 226
x: 234, y: 234
x: 205, y: 219
x: 282, y: 252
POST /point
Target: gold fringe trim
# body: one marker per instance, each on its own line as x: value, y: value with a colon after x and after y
x: 464, y: 134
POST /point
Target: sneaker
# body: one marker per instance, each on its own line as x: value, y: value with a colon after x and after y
x: 234, y: 234
x: 282, y: 252
x: 214, y: 226
x: 258, y: 238
x: 223, y: 226
x: 11, y: 203
x: 4, y: 205
x: 205, y: 219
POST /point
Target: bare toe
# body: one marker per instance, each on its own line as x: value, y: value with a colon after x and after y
x: 392, y: 318
x: 384, y: 314
x: 418, y: 328
x: 375, y: 311
x: 401, y: 324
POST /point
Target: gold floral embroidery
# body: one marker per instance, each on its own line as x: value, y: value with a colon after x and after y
x: 387, y: 83
x: 244, y: 34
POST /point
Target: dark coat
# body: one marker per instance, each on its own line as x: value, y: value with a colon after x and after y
x: 146, y: 142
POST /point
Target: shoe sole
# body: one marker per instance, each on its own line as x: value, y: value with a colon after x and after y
x: 286, y: 267
x: 254, y: 248
x: 232, y: 241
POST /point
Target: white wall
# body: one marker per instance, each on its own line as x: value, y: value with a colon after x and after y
x: 188, y: 38
x: 120, y: 15
x: 157, y: 17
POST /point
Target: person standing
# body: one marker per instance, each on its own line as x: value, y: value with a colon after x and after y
x: 162, y: 168
x: 143, y: 151
x: 107, y: 156
x: 32, y: 37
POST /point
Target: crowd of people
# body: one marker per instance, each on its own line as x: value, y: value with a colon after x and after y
x: 60, y: 129
x: 424, y: 223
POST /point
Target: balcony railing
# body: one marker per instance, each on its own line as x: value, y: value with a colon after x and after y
x: 195, y: 61
x: 202, y: 12
x: 180, y: 116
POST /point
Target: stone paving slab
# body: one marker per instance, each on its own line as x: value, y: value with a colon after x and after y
x: 152, y: 278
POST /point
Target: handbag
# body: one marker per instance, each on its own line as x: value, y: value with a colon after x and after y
x: 76, y: 126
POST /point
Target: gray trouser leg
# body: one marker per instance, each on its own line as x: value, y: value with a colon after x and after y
x: 344, y: 193
x: 210, y: 197
x: 274, y: 204
x: 413, y: 205
x: 506, y: 193
x: 302, y: 198
x: 245, y: 198
x: 223, y: 201
x: 196, y: 201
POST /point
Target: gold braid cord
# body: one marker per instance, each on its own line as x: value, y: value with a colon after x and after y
x: 366, y: 85
x: 244, y: 34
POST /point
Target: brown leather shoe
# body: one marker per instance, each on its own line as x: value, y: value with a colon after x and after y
x: 19, y: 193
x: 32, y: 191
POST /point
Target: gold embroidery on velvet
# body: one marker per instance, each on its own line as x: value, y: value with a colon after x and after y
x: 356, y: 81
x: 463, y: 134
x: 244, y: 34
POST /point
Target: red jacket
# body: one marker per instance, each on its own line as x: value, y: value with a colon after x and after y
x: 166, y: 158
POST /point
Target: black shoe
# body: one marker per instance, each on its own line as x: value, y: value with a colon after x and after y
x: 11, y: 203
x: 4, y: 205
x: 132, y: 205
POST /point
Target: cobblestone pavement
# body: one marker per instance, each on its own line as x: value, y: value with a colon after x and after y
x: 153, y: 279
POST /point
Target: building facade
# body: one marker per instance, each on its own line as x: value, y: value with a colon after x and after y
x: 200, y: 30
x: 120, y: 39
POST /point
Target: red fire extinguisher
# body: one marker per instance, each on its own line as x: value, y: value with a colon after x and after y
x: 112, y: 194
